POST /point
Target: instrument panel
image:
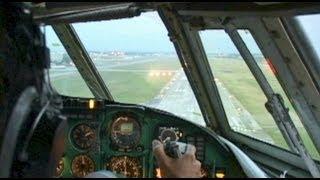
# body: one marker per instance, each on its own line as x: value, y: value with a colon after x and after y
x: 118, y: 137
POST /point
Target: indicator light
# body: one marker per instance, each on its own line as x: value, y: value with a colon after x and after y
x: 220, y: 175
x: 91, y: 104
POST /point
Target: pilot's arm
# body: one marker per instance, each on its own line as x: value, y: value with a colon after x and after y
x: 185, y: 167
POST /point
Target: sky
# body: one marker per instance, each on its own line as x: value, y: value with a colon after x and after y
x: 147, y: 33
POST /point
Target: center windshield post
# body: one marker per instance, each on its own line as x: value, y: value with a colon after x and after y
x: 195, y: 64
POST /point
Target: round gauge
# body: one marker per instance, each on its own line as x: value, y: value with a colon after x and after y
x: 168, y: 134
x: 83, y: 136
x: 127, y: 166
x: 125, y: 132
x: 59, y: 168
x: 82, y: 165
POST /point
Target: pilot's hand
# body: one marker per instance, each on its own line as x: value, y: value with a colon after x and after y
x: 185, y: 167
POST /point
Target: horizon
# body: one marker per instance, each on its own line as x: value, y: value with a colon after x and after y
x: 147, y: 34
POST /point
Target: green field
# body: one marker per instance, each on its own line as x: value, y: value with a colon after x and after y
x: 237, y: 78
x: 130, y: 87
x: 170, y: 63
x: 125, y: 86
x: 139, y: 87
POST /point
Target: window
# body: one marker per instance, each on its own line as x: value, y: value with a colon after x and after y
x: 64, y: 76
x: 241, y: 95
x: 310, y: 25
x: 139, y: 65
x: 266, y: 68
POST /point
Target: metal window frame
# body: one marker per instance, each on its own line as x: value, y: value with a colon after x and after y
x: 193, y: 59
x: 82, y: 60
x: 288, y: 159
x: 268, y: 48
x: 306, y: 51
x: 292, y: 74
x: 220, y: 117
x: 278, y: 110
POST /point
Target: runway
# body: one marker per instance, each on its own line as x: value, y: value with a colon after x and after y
x: 177, y: 97
x: 101, y: 66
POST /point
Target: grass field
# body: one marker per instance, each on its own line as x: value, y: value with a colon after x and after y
x: 132, y: 87
x: 237, y: 78
x: 170, y: 63
x: 139, y: 87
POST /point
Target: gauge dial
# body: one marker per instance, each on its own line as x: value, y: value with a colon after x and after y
x: 82, y: 165
x: 169, y: 134
x: 83, y: 136
x: 125, y: 132
x: 59, y: 168
x: 127, y: 166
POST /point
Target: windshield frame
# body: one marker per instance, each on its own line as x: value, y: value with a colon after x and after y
x: 304, y: 47
x: 284, y: 77
x: 79, y: 55
x: 220, y: 117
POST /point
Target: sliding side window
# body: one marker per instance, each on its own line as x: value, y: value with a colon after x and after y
x: 241, y: 95
x: 270, y: 74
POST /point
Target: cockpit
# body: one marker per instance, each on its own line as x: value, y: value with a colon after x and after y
x: 238, y: 81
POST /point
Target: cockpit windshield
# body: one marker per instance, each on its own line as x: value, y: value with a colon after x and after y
x: 139, y: 65
x: 136, y: 61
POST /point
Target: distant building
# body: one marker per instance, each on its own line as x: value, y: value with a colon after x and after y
x: 118, y: 53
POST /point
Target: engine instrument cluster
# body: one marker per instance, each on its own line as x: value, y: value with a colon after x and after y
x: 118, y: 137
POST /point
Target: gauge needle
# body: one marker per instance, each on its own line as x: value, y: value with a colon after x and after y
x: 125, y: 165
x: 87, y: 134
